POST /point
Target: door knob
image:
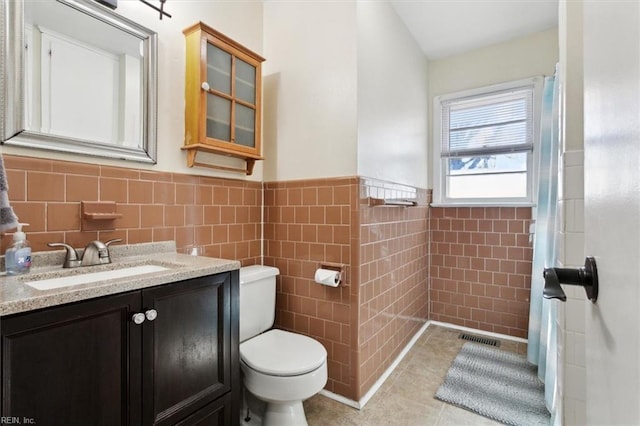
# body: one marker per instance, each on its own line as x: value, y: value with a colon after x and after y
x: 586, y: 276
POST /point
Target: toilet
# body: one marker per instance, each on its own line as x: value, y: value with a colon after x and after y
x: 279, y: 367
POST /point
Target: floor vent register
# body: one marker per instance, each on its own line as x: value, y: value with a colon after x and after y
x: 478, y: 339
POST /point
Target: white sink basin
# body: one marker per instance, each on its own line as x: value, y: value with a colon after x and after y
x: 92, y: 277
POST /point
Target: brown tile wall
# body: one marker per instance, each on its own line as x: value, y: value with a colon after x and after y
x: 307, y: 223
x: 478, y: 260
x: 481, y: 268
x: 394, y: 270
x: 367, y: 321
x: 223, y: 215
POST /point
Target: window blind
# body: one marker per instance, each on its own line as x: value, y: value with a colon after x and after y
x: 488, y: 124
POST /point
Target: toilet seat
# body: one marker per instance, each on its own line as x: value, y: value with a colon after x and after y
x: 282, y: 353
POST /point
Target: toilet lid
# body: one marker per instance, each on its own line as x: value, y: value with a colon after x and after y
x: 281, y: 353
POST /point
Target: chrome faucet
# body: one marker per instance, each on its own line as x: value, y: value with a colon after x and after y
x: 95, y: 253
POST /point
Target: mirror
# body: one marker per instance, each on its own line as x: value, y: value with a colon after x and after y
x: 77, y: 77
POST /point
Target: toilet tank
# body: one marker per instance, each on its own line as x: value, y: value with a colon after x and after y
x: 257, y: 299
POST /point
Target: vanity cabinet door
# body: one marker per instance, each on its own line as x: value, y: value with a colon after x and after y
x: 218, y: 413
x: 190, y: 349
x: 76, y: 364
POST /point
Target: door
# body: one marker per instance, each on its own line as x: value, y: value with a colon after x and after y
x: 70, y: 365
x: 187, y: 347
x: 612, y: 209
x: 233, y: 96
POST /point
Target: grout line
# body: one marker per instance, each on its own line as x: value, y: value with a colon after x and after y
x: 440, y: 413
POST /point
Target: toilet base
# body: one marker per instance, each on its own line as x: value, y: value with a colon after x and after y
x: 290, y: 413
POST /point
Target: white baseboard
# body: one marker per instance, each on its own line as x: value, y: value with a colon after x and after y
x: 340, y: 398
x: 376, y: 386
x: 481, y: 332
x: 361, y: 403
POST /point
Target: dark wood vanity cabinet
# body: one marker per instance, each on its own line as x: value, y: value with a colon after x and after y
x: 190, y: 355
x: 73, y: 364
x: 89, y: 363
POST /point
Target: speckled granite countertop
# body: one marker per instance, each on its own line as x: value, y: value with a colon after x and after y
x: 16, y: 296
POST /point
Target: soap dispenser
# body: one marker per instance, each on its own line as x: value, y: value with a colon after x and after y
x: 17, y: 259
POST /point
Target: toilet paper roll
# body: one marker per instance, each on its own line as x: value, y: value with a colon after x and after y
x: 327, y: 277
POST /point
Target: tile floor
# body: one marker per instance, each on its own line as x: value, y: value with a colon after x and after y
x: 406, y: 397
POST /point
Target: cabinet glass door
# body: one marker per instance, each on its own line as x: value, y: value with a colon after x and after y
x: 218, y: 117
x: 219, y: 96
x: 245, y: 126
x: 245, y: 82
x: 245, y: 85
x: 231, y: 98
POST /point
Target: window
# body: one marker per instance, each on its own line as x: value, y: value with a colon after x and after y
x: 484, y: 143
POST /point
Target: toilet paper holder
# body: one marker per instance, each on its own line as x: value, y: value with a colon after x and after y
x: 339, y: 268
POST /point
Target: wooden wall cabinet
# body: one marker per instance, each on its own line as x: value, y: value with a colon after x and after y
x: 90, y: 363
x: 223, y: 96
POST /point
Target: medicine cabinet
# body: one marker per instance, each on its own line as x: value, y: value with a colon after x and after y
x: 223, y: 98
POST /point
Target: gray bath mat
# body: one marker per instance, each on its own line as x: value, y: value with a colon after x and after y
x: 496, y: 384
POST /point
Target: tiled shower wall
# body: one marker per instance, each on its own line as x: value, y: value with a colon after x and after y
x: 571, y: 315
x: 223, y: 215
x: 394, y: 270
x: 481, y: 268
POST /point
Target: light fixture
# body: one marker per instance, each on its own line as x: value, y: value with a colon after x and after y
x: 114, y: 4
x: 159, y: 9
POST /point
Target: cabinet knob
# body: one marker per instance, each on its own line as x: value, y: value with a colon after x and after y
x: 205, y: 86
x: 138, y: 318
x: 151, y: 314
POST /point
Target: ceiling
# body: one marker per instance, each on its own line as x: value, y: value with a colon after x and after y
x: 449, y: 27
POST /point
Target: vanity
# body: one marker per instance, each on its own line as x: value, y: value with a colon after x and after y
x: 146, y: 348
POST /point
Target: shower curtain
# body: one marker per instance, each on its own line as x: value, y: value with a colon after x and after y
x: 542, y: 348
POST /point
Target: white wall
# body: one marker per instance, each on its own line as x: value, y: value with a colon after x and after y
x: 344, y: 89
x: 310, y: 89
x: 524, y: 57
x: 392, y: 98
x: 242, y: 21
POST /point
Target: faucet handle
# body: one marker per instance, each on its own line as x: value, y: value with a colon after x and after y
x: 71, y: 259
x: 105, y: 256
x: 115, y: 240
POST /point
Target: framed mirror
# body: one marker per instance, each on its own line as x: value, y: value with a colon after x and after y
x: 78, y: 78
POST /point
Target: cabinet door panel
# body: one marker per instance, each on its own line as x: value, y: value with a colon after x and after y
x: 218, y: 413
x: 245, y: 126
x: 69, y: 365
x: 187, y: 348
x: 218, y: 69
x: 245, y: 81
x: 218, y: 117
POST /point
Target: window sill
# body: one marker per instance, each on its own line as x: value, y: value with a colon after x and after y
x: 487, y: 204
